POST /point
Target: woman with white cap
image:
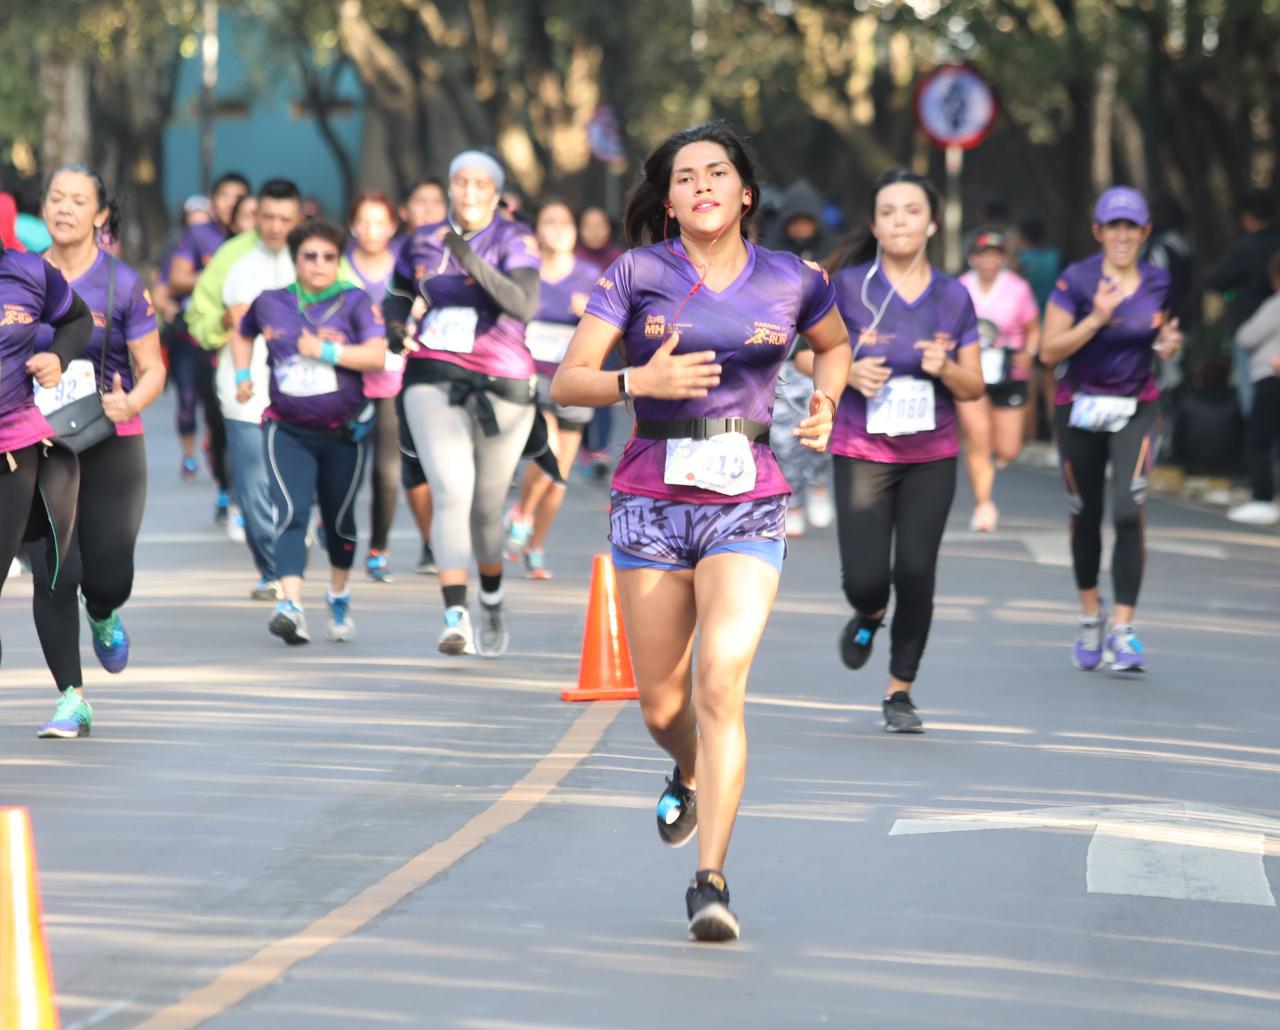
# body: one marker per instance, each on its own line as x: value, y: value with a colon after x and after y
x: 1106, y: 320
x: 458, y: 302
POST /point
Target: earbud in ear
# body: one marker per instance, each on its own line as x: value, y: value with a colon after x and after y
x: 931, y: 230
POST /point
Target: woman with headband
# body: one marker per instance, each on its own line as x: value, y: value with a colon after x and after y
x: 458, y: 302
x: 894, y: 441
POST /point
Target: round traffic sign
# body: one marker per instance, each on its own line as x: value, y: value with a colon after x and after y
x: 955, y: 107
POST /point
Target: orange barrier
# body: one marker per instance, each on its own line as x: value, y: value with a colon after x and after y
x: 26, y: 981
x: 605, y: 673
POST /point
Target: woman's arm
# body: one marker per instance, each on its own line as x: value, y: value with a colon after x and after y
x: 369, y: 356
x: 963, y: 376
x: 516, y: 292
x: 148, y: 373
x: 829, y: 363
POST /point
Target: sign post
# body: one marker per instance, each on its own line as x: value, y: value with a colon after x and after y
x: 955, y: 108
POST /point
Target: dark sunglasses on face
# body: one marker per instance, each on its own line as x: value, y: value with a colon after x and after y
x: 328, y: 257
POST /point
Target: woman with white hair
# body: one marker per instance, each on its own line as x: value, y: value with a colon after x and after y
x: 458, y: 302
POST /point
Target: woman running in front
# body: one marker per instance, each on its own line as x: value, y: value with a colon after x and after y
x: 468, y: 394
x: 373, y: 225
x: 1107, y: 319
x: 567, y: 280
x: 895, y: 439
x: 123, y: 362
x: 1009, y: 330
x: 321, y: 335
x: 699, y: 504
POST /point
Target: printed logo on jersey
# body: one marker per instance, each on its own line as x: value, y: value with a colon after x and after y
x: 530, y: 245
x: 768, y: 334
x: 869, y: 337
x: 606, y: 283
x: 16, y: 315
x: 818, y: 268
x: 151, y: 305
x: 946, y: 339
x: 655, y: 325
x: 420, y: 271
x: 99, y: 319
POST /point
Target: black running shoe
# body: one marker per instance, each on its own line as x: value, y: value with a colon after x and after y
x: 900, y: 714
x: 677, y: 812
x: 426, y: 563
x: 707, y: 902
x: 856, y: 639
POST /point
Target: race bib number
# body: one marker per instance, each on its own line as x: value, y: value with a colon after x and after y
x: 1100, y: 414
x: 995, y: 363
x: 903, y: 406
x: 724, y: 464
x: 393, y: 362
x: 449, y: 329
x: 78, y: 380
x: 306, y: 377
x: 547, y: 341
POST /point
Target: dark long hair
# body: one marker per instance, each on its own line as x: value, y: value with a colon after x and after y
x: 111, y: 227
x: 645, y: 219
x: 859, y: 246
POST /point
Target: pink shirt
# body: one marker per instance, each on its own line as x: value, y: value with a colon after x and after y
x: 1009, y: 305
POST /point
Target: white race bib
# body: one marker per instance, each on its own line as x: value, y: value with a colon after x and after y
x: 547, y: 341
x: 994, y: 363
x: 725, y: 464
x: 903, y: 406
x: 78, y: 380
x: 306, y: 377
x: 451, y: 329
x: 1101, y: 414
x: 393, y: 362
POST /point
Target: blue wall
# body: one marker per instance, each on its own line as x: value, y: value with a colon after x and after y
x: 269, y: 139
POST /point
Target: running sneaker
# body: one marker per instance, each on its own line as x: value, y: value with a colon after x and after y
x: 856, y: 639
x: 378, y: 567
x: 986, y: 517
x: 1086, y: 652
x: 427, y: 562
x: 677, y: 812
x: 221, y: 507
x: 72, y: 718
x: 342, y: 629
x: 235, y: 524
x: 707, y: 902
x: 518, y: 534
x: 900, y: 714
x: 289, y: 624
x: 188, y: 470
x: 110, y: 642
x: 268, y: 590
x: 494, y: 638
x: 456, y: 638
x: 1256, y: 513
x: 818, y: 508
x: 535, y: 564
x: 1123, y: 651
x: 795, y: 522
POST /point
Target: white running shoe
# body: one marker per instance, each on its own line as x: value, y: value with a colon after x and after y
x: 456, y: 637
x: 1256, y: 513
x: 817, y: 506
x: 795, y: 522
x: 235, y: 524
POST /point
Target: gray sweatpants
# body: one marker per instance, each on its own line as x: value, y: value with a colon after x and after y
x: 469, y: 472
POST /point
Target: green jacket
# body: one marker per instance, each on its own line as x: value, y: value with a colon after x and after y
x: 204, y: 313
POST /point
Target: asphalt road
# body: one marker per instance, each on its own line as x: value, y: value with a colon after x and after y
x: 374, y: 835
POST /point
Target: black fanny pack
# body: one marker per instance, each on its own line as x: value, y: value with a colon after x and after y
x: 83, y: 423
x: 702, y: 429
x: 463, y: 384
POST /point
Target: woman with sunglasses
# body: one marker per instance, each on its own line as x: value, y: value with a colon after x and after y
x: 458, y: 303
x: 322, y: 334
x: 1107, y: 319
x: 699, y: 503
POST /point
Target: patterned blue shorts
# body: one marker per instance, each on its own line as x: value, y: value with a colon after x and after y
x: 671, y: 535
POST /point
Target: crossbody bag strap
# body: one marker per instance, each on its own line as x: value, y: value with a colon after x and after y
x: 110, y: 315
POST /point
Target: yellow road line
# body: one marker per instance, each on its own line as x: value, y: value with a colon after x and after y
x: 273, y: 961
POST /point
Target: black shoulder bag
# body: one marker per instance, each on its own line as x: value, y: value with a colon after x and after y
x: 83, y: 423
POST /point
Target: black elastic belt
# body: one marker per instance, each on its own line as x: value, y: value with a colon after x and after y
x: 702, y: 429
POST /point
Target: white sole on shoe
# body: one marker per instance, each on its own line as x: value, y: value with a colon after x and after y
x: 715, y: 923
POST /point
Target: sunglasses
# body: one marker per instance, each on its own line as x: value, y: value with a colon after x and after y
x: 328, y: 257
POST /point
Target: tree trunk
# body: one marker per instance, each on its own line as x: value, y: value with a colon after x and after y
x: 64, y: 86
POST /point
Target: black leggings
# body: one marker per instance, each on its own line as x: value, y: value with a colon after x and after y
x: 386, y: 472
x: 99, y: 562
x: 1085, y: 456
x: 1264, y: 433
x: 207, y: 389
x: 879, y: 505
x: 37, y: 505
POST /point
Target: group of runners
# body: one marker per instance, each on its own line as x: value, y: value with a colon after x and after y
x: 442, y: 356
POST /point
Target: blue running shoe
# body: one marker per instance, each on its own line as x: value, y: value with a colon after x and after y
x: 856, y: 639
x: 1086, y: 652
x: 189, y: 470
x: 378, y: 567
x: 341, y: 627
x: 110, y: 642
x: 72, y: 718
x: 222, y: 508
x: 677, y: 812
x: 289, y: 624
x: 1123, y: 651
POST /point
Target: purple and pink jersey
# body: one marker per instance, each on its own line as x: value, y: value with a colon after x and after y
x: 943, y: 312
x: 498, y: 347
x: 32, y: 292
x: 1119, y: 359
x: 386, y: 383
x: 749, y: 324
x: 198, y: 244
x: 557, y: 300
x: 306, y: 392
x: 133, y: 317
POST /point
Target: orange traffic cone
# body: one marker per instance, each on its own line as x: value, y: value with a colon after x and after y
x: 26, y: 982
x: 605, y: 673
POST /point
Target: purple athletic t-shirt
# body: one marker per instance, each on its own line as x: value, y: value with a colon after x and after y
x: 132, y: 318
x: 199, y: 243
x: 749, y: 324
x: 945, y: 312
x: 498, y: 346
x: 386, y: 383
x: 298, y: 385
x: 557, y: 300
x: 32, y: 292
x: 1119, y: 359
